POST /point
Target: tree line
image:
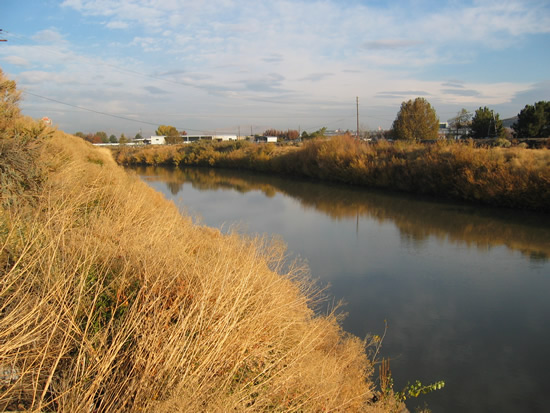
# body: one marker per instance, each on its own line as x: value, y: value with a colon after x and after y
x: 417, y: 120
x: 101, y: 137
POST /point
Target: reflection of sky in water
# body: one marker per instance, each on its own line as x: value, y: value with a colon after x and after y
x: 473, y: 316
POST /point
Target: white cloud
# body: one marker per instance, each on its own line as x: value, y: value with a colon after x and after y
x: 48, y: 36
x: 390, y: 44
x: 17, y: 61
x: 116, y: 24
x: 149, y: 44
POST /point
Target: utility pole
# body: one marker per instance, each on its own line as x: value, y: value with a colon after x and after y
x: 357, y: 105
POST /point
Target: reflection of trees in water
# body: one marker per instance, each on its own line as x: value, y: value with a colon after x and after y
x: 174, y: 187
x: 416, y: 219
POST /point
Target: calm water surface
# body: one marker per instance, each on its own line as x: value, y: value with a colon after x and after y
x: 464, y: 290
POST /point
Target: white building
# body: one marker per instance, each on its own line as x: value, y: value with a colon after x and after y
x: 217, y: 138
x: 267, y: 139
x: 155, y: 140
x: 161, y: 140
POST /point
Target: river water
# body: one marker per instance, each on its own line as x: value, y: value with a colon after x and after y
x: 464, y: 290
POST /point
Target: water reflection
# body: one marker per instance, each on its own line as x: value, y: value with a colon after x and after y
x: 417, y: 220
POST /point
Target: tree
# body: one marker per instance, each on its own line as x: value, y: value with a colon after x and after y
x: 283, y: 135
x: 9, y: 102
x: 171, y: 140
x: 319, y: 133
x: 460, y: 121
x: 486, y: 124
x: 113, y: 139
x: 292, y: 134
x: 138, y: 136
x: 94, y: 138
x: 123, y: 139
x: 533, y: 121
x: 273, y: 132
x: 102, y: 136
x: 416, y: 121
x: 167, y: 130
x: 170, y: 132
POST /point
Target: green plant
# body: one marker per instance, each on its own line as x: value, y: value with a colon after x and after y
x: 415, y: 389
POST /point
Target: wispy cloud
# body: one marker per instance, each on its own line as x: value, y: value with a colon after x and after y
x: 48, y: 36
x: 403, y: 93
x: 17, y: 61
x: 155, y: 90
x: 390, y: 44
x: 454, y: 83
x: 273, y: 58
x: 315, y: 77
x: 461, y: 92
x: 148, y: 44
x: 116, y: 24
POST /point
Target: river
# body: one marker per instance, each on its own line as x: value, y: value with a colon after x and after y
x: 463, y: 289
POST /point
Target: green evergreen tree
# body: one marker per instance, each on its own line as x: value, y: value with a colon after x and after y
x: 486, y: 124
x: 533, y: 121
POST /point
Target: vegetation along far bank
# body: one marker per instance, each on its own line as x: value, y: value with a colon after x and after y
x: 514, y: 177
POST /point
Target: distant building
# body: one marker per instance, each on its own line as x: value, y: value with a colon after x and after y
x: 216, y: 138
x: 443, y: 130
x: 155, y: 140
x: 266, y: 139
x: 161, y: 140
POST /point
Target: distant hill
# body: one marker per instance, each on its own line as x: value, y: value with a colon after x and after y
x: 508, y: 122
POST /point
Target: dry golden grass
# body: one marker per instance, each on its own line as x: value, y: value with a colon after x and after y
x: 111, y: 301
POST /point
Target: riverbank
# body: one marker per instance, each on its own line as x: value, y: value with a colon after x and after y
x: 503, y: 177
x: 113, y: 301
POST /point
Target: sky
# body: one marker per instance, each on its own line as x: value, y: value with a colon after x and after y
x: 240, y: 66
